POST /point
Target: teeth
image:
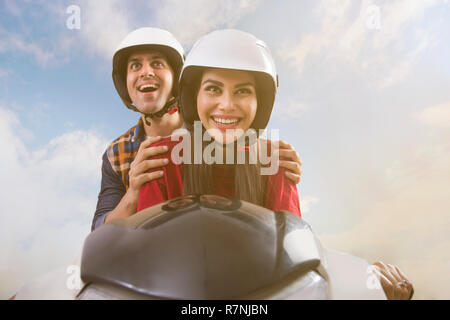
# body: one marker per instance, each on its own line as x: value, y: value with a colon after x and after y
x: 148, y: 86
x: 226, y: 121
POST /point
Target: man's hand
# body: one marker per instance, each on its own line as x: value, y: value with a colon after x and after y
x: 395, y: 284
x: 141, y: 164
x: 138, y: 176
x: 290, y: 160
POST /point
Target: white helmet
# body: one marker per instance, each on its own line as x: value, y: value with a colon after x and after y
x: 230, y: 49
x: 151, y: 38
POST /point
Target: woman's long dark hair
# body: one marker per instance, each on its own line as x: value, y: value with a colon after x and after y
x: 249, y: 184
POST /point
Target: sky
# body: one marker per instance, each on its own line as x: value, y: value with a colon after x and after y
x: 364, y: 98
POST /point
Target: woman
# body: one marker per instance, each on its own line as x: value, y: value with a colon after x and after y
x: 228, y: 83
x: 224, y: 65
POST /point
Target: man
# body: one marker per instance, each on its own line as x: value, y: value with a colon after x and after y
x: 146, y: 67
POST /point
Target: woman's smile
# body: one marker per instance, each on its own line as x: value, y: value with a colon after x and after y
x: 224, y: 122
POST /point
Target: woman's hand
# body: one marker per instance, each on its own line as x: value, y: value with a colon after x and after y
x: 395, y: 284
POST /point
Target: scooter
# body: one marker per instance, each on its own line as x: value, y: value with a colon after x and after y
x: 208, y: 247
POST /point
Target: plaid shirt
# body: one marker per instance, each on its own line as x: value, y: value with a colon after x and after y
x: 115, y: 168
x: 121, y: 151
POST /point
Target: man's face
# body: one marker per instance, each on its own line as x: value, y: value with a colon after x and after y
x: 149, y: 80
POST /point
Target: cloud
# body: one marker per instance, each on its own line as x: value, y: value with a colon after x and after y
x: 409, y: 224
x: 48, y: 49
x: 4, y: 73
x: 104, y: 25
x: 371, y: 48
x: 13, y: 42
x: 307, y: 202
x: 436, y: 116
x: 189, y: 20
x: 291, y: 110
x: 12, y: 7
x: 48, y: 200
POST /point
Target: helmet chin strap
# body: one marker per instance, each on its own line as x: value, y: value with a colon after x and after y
x: 170, y: 107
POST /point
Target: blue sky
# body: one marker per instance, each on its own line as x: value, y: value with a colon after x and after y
x: 367, y: 108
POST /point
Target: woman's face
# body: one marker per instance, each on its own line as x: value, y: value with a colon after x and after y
x: 226, y: 102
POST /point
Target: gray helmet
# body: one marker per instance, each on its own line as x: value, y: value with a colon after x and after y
x: 230, y: 49
x: 153, y: 39
x: 203, y: 247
